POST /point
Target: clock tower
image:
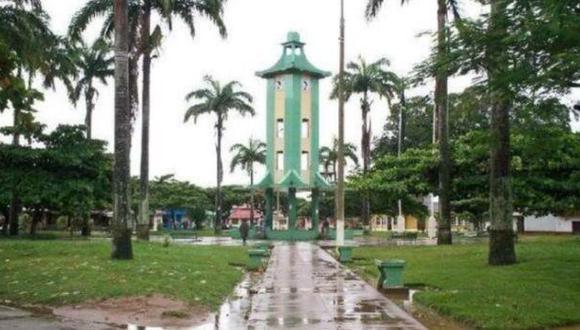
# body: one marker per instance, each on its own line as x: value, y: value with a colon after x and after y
x: 292, y: 116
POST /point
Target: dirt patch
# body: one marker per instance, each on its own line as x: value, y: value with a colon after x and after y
x: 153, y: 311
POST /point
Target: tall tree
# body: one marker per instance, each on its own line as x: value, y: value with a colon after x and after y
x: 143, y: 40
x: 441, y: 77
x: 94, y: 64
x: 220, y: 100
x: 29, y: 48
x: 366, y: 79
x: 148, y: 45
x: 501, y: 240
x: 70, y: 175
x: 525, y: 48
x: 122, y: 247
x: 329, y: 158
x: 186, y: 10
x: 245, y: 157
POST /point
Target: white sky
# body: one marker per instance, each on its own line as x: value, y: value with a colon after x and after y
x: 256, y: 28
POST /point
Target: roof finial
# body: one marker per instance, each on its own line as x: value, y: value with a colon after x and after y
x: 293, y: 36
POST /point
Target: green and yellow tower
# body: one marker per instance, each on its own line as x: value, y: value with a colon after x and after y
x: 292, y: 131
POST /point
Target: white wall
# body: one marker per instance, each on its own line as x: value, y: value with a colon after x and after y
x: 548, y: 223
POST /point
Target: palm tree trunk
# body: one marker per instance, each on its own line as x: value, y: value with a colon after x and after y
x: 122, y: 248
x: 86, y: 225
x: 143, y: 223
x: 89, y: 115
x: 15, y: 201
x: 444, y: 228
x: 400, y: 137
x: 365, y: 146
x: 5, y: 212
x: 252, y: 194
x: 501, y: 239
x: 36, y: 214
x: 218, y: 193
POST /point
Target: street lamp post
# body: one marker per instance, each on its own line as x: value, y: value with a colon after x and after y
x: 340, y: 179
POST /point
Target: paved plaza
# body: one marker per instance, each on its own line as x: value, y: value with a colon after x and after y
x: 304, y: 287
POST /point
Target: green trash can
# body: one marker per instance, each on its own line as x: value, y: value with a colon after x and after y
x: 256, y: 256
x: 264, y: 247
x: 391, y: 273
x: 344, y: 253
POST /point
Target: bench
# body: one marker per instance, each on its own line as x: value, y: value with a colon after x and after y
x: 410, y: 235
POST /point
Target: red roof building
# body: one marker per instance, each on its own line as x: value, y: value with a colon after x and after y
x: 241, y: 213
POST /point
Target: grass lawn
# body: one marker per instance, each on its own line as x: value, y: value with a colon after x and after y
x: 542, y: 290
x: 60, y: 272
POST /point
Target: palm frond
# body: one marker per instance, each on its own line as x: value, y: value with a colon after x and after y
x: 200, y: 94
x: 195, y: 111
x: 454, y: 7
x: 93, y: 9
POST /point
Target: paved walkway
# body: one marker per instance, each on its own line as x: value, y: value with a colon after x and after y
x: 304, y: 287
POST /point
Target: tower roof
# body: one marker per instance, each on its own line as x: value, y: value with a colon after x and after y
x: 293, y: 60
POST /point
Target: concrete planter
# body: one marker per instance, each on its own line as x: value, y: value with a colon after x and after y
x: 391, y: 273
x: 264, y: 247
x: 256, y: 262
x: 345, y: 253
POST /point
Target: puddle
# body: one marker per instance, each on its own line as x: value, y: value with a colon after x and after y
x: 235, y: 311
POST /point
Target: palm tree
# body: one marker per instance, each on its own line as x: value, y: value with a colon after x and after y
x: 122, y: 248
x: 142, y: 42
x: 245, y: 157
x: 219, y: 100
x: 28, y: 47
x: 441, y: 78
x: 185, y: 10
x: 95, y: 9
x: 329, y: 157
x: 94, y: 64
x: 364, y: 78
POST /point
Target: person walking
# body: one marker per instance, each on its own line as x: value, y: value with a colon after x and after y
x: 244, y: 230
x: 325, y: 229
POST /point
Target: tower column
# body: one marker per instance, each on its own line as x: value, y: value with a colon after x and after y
x: 292, y: 209
x: 315, y: 205
x: 269, y: 208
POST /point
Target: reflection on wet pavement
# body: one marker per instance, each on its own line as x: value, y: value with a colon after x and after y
x: 305, y: 287
x: 219, y: 241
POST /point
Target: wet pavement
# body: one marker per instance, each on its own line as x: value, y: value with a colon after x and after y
x: 304, y: 287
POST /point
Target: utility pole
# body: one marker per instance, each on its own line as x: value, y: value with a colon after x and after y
x: 340, y: 179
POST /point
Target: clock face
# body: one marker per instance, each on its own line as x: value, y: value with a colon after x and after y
x: 305, y: 84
